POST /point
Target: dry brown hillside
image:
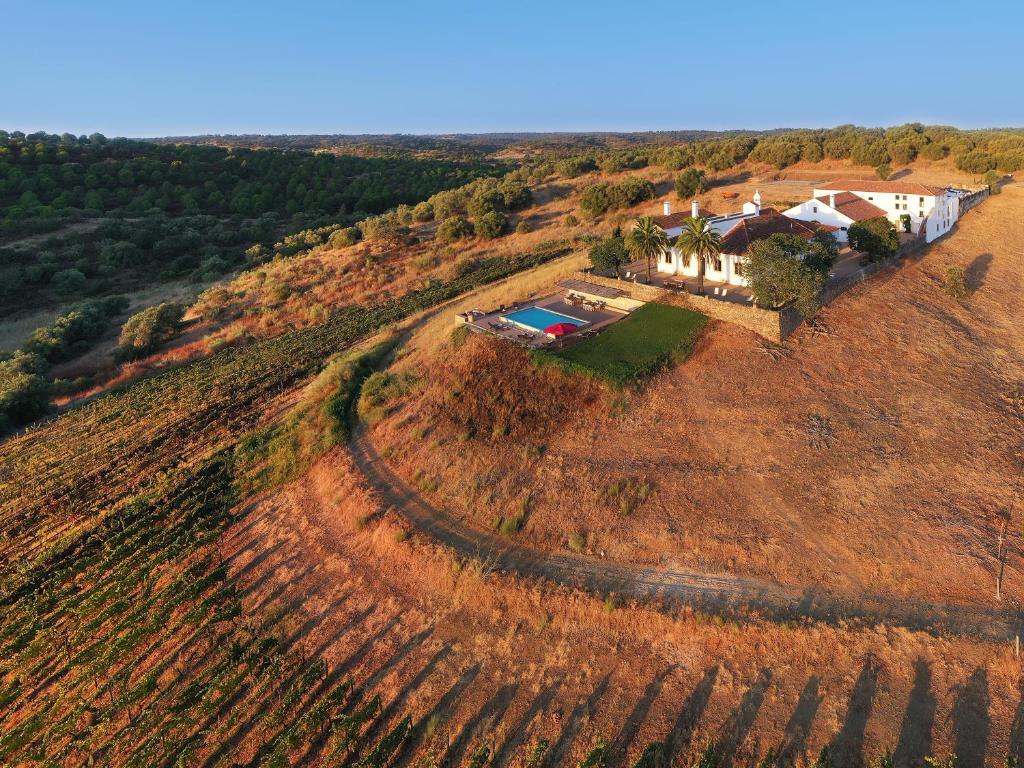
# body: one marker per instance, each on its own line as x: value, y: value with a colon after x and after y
x: 881, y: 459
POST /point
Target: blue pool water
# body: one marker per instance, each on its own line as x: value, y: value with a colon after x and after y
x: 538, y: 318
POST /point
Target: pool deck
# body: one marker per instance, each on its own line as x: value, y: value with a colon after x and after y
x: 491, y: 322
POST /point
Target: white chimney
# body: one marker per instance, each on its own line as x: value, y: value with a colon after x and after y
x: 832, y: 200
x: 666, y: 207
x: 695, y: 208
x: 757, y: 200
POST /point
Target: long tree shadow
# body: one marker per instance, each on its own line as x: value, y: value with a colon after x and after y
x: 232, y: 741
x: 227, y: 704
x: 847, y: 747
x: 915, y: 740
x: 794, y: 738
x: 970, y: 720
x: 568, y: 735
x: 620, y: 745
x: 517, y: 735
x: 976, y: 272
x: 1017, y: 727
x: 690, y: 714
x: 441, y: 710
x: 734, y: 730
x: 489, y: 714
x: 360, y: 692
x: 376, y: 729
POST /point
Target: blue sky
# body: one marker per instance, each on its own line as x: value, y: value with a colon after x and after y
x: 149, y: 69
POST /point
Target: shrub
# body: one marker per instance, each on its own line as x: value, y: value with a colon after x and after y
x: 453, y: 228
x: 490, y: 225
x: 571, y: 221
x: 379, y: 391
x: 345, y: 237
x: 991, y: 180
x: 905, y: 222
x: 423, y: 211
x: 425, y: 262
x: 955, y: 283
x: 876, y: 238
x: 257, y: 253
x: 883, y: 171
x: 485, y: 202
x: 596, y: 199
x: 459, y: 336
x: 571, y: 167
x: 516, y: 196
x: 403, y: 214
x: 690, y: 182
x: 602, y: 197
x: 68, y: 281
x: 69, y: 335
x: 382, y: 229
x: 24, y: 393
x: 523, y: 227
x: 449, y: 203
x: 145, y: 331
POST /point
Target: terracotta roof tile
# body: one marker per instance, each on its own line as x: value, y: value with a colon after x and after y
x: 769, y: 222
x: 677, y: 219
x: 851, y: 206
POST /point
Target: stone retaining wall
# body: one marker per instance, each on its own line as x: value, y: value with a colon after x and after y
x: 774, y: 326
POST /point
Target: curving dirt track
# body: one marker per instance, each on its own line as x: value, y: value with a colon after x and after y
x: 721, y: 594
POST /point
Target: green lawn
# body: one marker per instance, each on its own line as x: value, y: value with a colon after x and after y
x: 649, y: 339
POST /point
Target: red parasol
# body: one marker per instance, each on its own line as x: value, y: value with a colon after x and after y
x: 560, y: 329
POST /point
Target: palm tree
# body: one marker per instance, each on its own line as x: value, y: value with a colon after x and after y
x: 646, y: 241
x: 699, y: 239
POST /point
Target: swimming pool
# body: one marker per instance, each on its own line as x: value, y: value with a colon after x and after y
x: 538, y: 318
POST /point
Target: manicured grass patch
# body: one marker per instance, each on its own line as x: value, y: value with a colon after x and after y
x: 649, y: 339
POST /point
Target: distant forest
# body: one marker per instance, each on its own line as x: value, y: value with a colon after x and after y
x: 976, y: 151
x: 146, y: 211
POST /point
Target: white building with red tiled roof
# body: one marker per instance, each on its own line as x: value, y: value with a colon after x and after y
x: 837, y: 209
x: 738, y: 231
x: 933, y: 209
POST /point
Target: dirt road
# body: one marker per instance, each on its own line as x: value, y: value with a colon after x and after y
x: 721, y: 594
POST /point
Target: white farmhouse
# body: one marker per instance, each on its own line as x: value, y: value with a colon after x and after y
x: 932, y: 210
x: 738, y: 232
x: 837, y: 209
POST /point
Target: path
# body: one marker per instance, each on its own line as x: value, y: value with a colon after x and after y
x: 728, y: 595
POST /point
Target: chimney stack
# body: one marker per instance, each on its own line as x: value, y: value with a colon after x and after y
x: 757, y: 201
x: 666, y: 207
x: 695, y: 208
x: 832, y: 200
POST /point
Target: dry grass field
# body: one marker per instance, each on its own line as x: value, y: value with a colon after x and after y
x: 881, y: 459
x: 487, y: 660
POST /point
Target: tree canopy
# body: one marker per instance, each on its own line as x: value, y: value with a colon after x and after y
x: 778, y: 272
x: 609, y: 254
x: 877, y: 238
